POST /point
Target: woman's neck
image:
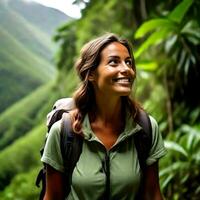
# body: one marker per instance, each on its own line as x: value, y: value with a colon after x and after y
x: 107, y: 111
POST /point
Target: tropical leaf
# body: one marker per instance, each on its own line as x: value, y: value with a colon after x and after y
x: 173, y: 167
x: 176, y: 147
x: 152, y: 25
x: 147, y: 65
x: 169, y: 44
x: 167, y: 180
x: 180, y: 10
x: 154, y: 39
x: 192, y: 28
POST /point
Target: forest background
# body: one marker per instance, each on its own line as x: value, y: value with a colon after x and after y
x: 34, y: 73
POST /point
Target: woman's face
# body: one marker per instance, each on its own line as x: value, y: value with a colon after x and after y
x: 115, y: 74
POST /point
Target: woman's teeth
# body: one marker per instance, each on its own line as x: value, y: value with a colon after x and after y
x: 122, y: 80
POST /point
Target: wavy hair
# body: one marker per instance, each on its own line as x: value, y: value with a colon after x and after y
x: 89, y: 60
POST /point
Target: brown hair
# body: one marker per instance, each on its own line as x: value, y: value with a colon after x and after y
x: 89, y: 61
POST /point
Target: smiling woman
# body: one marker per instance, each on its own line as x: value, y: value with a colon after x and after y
x: 65, y: 6
x: 105, y: 118
x: 115, y: 73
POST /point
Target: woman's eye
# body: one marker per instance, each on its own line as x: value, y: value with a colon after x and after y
x: 129, y: 62
x: 113, y: 62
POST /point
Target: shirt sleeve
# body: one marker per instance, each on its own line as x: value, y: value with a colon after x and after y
x: 52, y: 152
x: 158, y: 149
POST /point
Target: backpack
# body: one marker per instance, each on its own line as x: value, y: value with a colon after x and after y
x: 71, y: 144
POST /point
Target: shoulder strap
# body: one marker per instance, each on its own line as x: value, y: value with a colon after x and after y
x: 143, y: 138
x: 71, y: 148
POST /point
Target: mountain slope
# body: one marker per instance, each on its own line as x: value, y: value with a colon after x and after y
x: 27, y: 50
x: 26, y: 33
x: 48, y: 19
x: 20, y: 135
x: 21, y: 70
x: 25, y: 114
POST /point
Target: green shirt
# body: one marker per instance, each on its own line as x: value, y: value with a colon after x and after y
x: 88, y: 179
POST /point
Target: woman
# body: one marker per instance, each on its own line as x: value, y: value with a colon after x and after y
x: 104, y: 115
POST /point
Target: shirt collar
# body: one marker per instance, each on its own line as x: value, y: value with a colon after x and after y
x: 130, y: 128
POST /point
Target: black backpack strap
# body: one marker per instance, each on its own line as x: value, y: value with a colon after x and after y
x: 71, y: 148
x: 143, y: 138
x: 57, y: 115
x: 143, y: 141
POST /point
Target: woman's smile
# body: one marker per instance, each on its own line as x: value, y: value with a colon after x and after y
x: 115, y: 73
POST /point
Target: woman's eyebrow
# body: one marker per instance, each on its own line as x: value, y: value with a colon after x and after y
x: 118, y: 57
x: 112, y: 56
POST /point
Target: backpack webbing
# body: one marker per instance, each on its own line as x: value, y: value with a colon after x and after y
x: 71, y: 148
x: 143, y: 142
x: 143, y: 138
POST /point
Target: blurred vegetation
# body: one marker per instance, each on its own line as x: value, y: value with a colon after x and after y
x: 166, y: 39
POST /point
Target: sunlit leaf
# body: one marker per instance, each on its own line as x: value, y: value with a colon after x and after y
x: 152, y: 25
x: 176, y: 147
x: 192, y: 28
x: 172, y: 167
x: 154, y: 39
x: 185, y: 178
x: 180, y: 10
x: 147, y: 66
x: 170, y: 43
x: 182, y: 59
x: 167, y: 180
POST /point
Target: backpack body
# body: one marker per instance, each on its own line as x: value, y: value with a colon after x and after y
x: 71, y: 144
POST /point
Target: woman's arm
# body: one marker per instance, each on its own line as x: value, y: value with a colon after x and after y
x: 151, y: 183
x: 54, y: 184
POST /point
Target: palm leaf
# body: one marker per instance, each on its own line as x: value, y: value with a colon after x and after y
x: 147, y: 65
x: 152, y: 25
x: 154, y: 39
x: 180, y: 10
x: 176, y: 147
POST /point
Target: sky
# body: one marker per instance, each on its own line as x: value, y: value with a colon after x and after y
x: 65, y: 6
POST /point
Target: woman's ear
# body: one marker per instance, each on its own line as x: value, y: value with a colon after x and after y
x: 92, y: 76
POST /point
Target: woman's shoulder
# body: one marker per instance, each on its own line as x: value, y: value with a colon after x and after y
x: 153, y: 121
x: 55, y: 128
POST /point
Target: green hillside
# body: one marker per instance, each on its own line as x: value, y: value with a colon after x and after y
x: 26, y: 33
x: 26, y: 55
x: 47, y: 20
x: 27, y: 127
x: 21, y: 70
x: 29, y: 111
x: 167, y: 62
x: 25, y: 114
x: 22, y: 187
x: 21, y: 156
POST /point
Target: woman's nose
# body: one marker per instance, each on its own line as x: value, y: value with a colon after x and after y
x: 124, y: 67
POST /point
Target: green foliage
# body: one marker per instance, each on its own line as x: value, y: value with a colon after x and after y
x: 162, y: 27
x: 178, y: 37
x: 168, y: 72
x: 153, y: 24
x: 172, y: 41
x: 17, y: 120
x: 181, y: 165
x: 66, y: 36
x: 22, y: 155
x: 180, y: 10
x: 22, y: 187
